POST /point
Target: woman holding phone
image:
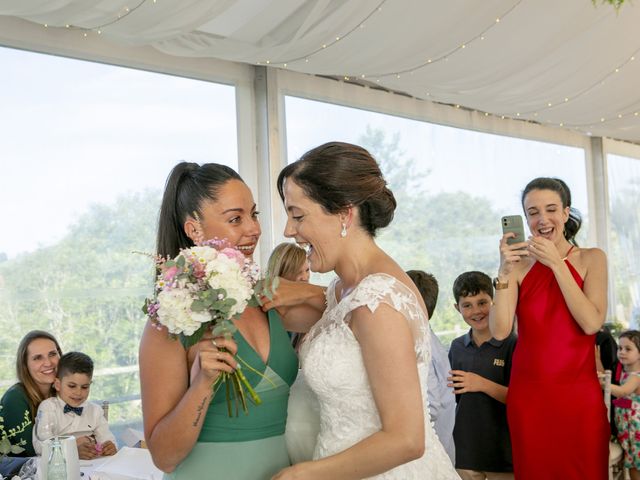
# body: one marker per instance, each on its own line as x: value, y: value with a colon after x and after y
x: 558, y: 292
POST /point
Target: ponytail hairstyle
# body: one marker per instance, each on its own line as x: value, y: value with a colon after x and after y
x: 187, y: 187
x: 633, y: 336
x: 28, y: 384
x: 338, y: 176
x: 574, y: 222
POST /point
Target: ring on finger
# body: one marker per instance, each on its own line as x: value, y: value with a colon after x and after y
x: 213, y: 342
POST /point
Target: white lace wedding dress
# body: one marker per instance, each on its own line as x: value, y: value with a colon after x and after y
x: 333, y: 366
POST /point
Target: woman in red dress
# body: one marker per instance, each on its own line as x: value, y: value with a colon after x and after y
x: 558, y: 292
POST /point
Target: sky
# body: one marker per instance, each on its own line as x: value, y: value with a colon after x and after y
x: 73, y: 133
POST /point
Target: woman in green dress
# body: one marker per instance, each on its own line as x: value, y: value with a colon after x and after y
x: 187, y: 428
x: 36, y: 364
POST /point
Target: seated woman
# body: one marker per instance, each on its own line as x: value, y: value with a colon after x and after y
x: 36, y: 364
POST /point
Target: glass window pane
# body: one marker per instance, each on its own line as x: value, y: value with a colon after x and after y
x: 86, y: 149
x: 624, y: 237
x: 452, y: 187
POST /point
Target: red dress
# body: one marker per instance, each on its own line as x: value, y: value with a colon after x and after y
x: 555, y: 407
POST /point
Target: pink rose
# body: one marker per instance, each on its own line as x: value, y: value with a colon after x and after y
x: 233, y: 254
x: 170, y: 272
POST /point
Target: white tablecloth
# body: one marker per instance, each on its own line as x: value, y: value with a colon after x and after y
x: 127, y: 464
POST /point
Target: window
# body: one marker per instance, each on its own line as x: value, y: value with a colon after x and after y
x: 86, y: 149
x: 452, y: 187
x: 624, y: 237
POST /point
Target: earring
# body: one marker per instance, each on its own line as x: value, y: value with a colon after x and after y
x: 343, y: 232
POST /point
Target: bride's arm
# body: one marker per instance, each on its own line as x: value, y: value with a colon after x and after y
x: 173, y: 408
x: 390, y: 361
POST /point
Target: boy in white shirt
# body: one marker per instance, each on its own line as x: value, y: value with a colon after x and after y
x: 69, y: 413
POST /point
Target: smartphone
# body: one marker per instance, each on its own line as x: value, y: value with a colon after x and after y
x: 513, y: 223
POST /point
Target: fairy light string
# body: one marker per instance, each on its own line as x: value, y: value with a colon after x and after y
x: 569, y: 98
x: 125, y: 12
x: 445, y: 56
x: 326, y: 45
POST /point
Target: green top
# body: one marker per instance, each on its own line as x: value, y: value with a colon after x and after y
x: 14, y: 403
x: 269, y: 418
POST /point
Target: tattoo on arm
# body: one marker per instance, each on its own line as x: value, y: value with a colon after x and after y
x: 199, y: 410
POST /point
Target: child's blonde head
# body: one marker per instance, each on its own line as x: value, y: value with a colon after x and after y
x: 286, y: 261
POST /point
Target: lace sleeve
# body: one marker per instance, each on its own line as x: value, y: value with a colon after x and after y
x: 382, y: 288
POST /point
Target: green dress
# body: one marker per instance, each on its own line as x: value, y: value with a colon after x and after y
x: 14, y: 403
x: 251, y: 446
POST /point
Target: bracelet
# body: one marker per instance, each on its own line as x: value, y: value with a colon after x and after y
x: 498, y: 285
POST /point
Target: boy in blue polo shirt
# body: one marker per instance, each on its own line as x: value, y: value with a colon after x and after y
x: 481, y: 366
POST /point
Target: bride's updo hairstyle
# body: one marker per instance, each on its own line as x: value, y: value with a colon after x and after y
x: 340, y: 175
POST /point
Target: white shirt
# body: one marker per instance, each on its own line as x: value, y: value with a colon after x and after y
x: 51, y: 421
x: 442, y: 400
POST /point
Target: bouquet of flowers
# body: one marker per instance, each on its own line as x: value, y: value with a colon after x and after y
x: 6, y: 447
x: 203, y: 288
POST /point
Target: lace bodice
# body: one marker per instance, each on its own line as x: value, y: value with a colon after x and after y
x: 333, y: 365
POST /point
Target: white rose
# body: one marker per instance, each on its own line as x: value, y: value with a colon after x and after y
x: 175, y: 312
x: 226, y: 273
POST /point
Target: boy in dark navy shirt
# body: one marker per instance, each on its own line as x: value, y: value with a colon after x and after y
x: 481, y: 366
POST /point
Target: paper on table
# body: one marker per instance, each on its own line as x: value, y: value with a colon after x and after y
x: 128, y: 464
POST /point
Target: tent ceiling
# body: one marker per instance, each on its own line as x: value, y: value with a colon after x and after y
x: 564, y: 63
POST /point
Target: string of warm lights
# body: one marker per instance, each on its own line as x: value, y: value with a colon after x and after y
x: 553, y: 104
x: 445, y: 56
x: 324, y: 46
x: 123, y: 13
x: 632, y: 110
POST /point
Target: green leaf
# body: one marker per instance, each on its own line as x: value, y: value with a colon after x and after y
x: 198, y: 306
x: 191, y: 340
x: 254, y: 302
x: 224, y: 328
x: 5, y: 446
x: 15, y: 449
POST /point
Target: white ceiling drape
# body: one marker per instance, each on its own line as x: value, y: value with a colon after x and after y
x: 569, y: 63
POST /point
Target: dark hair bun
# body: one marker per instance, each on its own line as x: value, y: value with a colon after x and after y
x: 377, y: 212
x: 341, y: 175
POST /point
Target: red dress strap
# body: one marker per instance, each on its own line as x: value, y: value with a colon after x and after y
x: 568, y: 252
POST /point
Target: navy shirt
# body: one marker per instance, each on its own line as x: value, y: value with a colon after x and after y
x: 481, y: 434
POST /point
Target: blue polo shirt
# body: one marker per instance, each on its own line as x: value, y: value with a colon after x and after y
x: 481, y: 434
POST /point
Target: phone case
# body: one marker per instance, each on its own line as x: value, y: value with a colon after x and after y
x: 513, y: 223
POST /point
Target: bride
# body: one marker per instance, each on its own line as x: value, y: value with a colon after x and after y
x: 367, y: 358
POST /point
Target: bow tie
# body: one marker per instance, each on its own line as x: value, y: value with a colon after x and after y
x: 68, y: 408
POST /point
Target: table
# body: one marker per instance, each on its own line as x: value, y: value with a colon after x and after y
x: 128, y: 464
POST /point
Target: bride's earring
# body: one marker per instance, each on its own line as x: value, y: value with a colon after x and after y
x: 343, y: 232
